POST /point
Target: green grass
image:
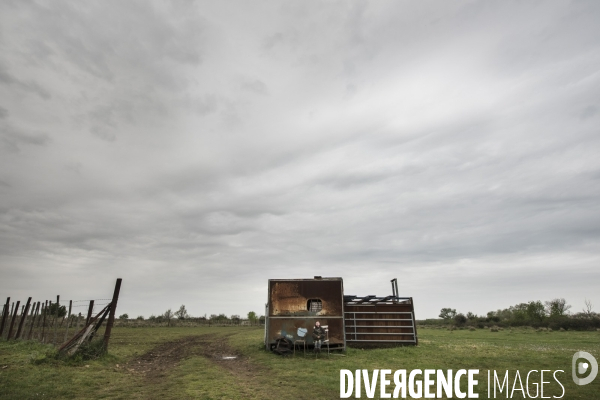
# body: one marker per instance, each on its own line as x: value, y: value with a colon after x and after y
x: 28, y: 370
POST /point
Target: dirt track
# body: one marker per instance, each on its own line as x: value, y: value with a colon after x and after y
x: 157, y: 362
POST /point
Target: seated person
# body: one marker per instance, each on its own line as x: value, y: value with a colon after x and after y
x: 318, y: 336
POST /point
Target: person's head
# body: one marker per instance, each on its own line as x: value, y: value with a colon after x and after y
x: 317, y: 324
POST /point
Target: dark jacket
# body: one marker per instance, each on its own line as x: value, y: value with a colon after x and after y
x: 319, y: 333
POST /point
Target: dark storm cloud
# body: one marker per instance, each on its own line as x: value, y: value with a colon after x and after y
x: 198, y: 149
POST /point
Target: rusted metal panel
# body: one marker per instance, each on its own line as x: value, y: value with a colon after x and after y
x: 290, y: 297
x: 289, y: 308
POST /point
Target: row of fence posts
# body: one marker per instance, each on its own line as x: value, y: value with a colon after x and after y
x: 36, y: 322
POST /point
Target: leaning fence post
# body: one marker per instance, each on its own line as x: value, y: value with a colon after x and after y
x: 68, y: 320
x: 23, y: 318
x: 4, y: 314
x: 12, y: 320
x: 89, y: 314
x: 39, y: 321
x: 111, y: 315
x: 35, y: 308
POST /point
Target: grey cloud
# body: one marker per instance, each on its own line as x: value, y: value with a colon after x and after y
x: 256, y: 86
x: 28, y: 86
x: 272, y: 41
x: 439, y: 144
x: 207, y: 104
x: 589, y: 112
x: 13, y: 138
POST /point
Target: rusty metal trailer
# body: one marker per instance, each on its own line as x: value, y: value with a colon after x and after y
x: 294, y: 306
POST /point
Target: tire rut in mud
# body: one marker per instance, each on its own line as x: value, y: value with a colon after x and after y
x: 157, y: 362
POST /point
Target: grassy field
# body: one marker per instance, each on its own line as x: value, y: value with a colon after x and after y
x: 182, y: 363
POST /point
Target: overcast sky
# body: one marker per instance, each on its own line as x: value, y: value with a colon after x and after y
x: 198, y: 149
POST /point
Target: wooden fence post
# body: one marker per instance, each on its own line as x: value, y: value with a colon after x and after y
x: 89, y: 314
x: 4, y: 314
x: 68, y: 319
x: 36, y: 308
x: 111, y: 315
x: 23, y: 318
x: 12, y: 320
x: 44, y: 311
x: 38, y: 333
x: 56, y: 319
x: 2, y: 320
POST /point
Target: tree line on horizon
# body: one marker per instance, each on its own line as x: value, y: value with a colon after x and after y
x: 553, y: 314
x: 182, y: 314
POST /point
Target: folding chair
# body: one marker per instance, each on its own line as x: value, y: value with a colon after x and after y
x: 301, y: 332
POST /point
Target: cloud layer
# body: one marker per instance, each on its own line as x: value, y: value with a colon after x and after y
x: 198, y: 149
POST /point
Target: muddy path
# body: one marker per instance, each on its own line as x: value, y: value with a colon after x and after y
x: 157, y: 362
x: 253, y: 380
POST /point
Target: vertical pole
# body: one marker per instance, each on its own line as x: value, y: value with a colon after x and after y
x: 44, y: 311
x: 36, y: 308
x: 78, y: 321
x: 39, y: 321
x: 23, y: 318
x: 56, y: 319
x: 68, y: 320
x: 2, y: 320
x: 12, y: 321
x: 111, y: 315
x: 89, y: 314
x: 4, y: 314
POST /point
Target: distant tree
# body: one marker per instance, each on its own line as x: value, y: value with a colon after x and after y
x: 220, y: 317
x: 261, y: 319
x: 51, y: 310
x: 168, y: 315
x: 182, y: 313
x: 252, y: 316
x: 519, y: 312
x: 587, y: 311
x: 123, y: 316
x: 492, y: 316
x: 470, y: 315
x: 140, y: 317
x: 235, y: 318
x: 447, y: 313
x: 557, y: 307
x: 536, y: 311
x: 460, y: 319
x: 152, y: 317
